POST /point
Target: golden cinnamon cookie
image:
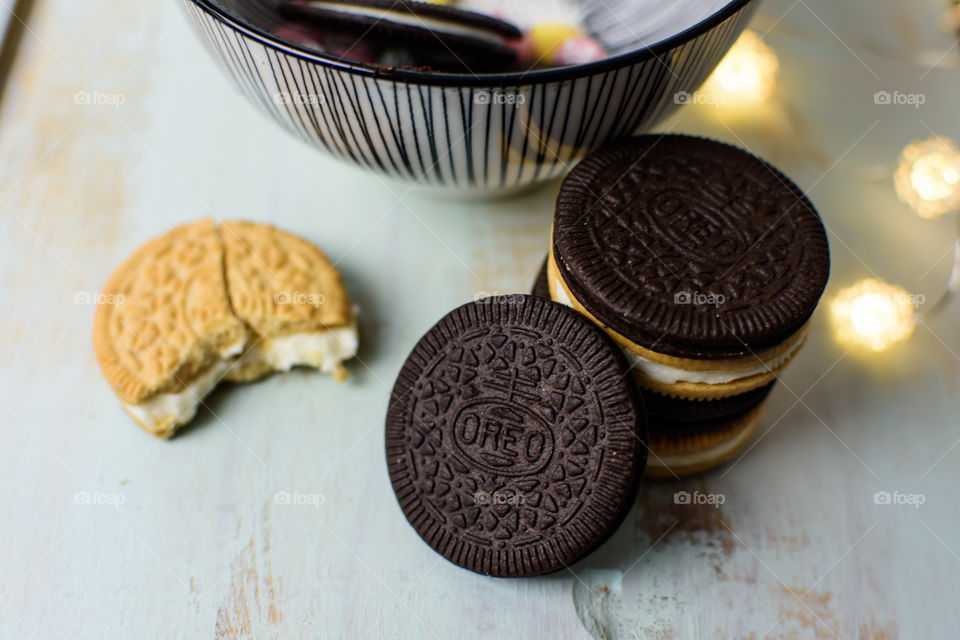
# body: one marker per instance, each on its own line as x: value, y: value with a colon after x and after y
x: 688, y: 451
x: 167, y: 329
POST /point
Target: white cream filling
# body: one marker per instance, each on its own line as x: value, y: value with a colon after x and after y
x: 180, y: 406
x: 694, y: 459
x: 409, y: 19
x: 324, y: 350
x: 561, y: 293
x: 671, y: 375
x: 234, y: 349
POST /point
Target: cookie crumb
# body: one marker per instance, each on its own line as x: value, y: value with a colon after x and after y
x: 340, y: 373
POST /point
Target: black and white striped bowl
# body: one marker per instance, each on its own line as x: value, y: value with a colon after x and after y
x: 483, y: 133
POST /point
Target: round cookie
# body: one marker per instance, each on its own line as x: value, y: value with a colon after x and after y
x: 201, y: 304
x: 166, y: 315
x: 662, y: 408
x: 688, y: 451
x: 514, y: 439
x: 691, y: 245
x: 541, y: 287
x: 288, y: 293
x: 443, y: 37
x: 687, y: 378
x: 281, y: 283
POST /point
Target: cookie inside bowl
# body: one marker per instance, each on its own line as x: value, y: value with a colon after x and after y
x: 467, y: 132
x: 462, y: 36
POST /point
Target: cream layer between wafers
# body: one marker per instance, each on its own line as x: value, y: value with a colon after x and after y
x: 667, y: 374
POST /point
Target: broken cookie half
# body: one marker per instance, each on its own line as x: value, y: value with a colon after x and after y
x: 202, y: 303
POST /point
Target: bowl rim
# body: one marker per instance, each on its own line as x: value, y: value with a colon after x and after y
x: 513, y: 78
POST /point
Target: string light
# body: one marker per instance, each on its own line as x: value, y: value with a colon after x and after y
x: 748, y: 73
x: 928, y: 177
x: 873, y: 314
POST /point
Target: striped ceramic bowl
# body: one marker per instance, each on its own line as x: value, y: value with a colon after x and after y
x: 483, y: 133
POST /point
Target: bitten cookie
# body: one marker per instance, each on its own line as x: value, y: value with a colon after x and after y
x: 200, y: 304
x: 291, y: 298
x: 514, y: 440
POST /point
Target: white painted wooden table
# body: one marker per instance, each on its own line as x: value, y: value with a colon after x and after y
x: 109, y: 533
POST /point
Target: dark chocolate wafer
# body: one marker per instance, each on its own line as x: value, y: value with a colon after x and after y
x: 691, y: 247
x: 514, y: 438
x: 541, y: 287
x: 442, y: 37
x: 679, y: 451
x: 695, y: 412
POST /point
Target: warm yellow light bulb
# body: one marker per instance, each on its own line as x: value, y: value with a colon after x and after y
x: 873, y: 314
x: 748, y: 73
x: 928, y: 177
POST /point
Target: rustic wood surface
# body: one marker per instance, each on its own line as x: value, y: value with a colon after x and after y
x: 107, y: 532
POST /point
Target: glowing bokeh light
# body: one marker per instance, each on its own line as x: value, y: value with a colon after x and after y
x: 928, y: 177
x: 748, y: 73
x: 873, y: 314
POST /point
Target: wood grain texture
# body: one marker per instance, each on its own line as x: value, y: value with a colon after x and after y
x: 273, y: 517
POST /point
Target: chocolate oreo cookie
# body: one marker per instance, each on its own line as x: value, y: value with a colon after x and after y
x: 678, y: 450
x: 695, y: 413
x: 440, y: 37
x: 541, y: 287
x: 514, y: 439
x: 694, y: 246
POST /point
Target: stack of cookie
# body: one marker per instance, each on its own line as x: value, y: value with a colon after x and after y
x: 478, y: 36
x: 704, y: 264
x: 401, y: 33
x: 682, y: 272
